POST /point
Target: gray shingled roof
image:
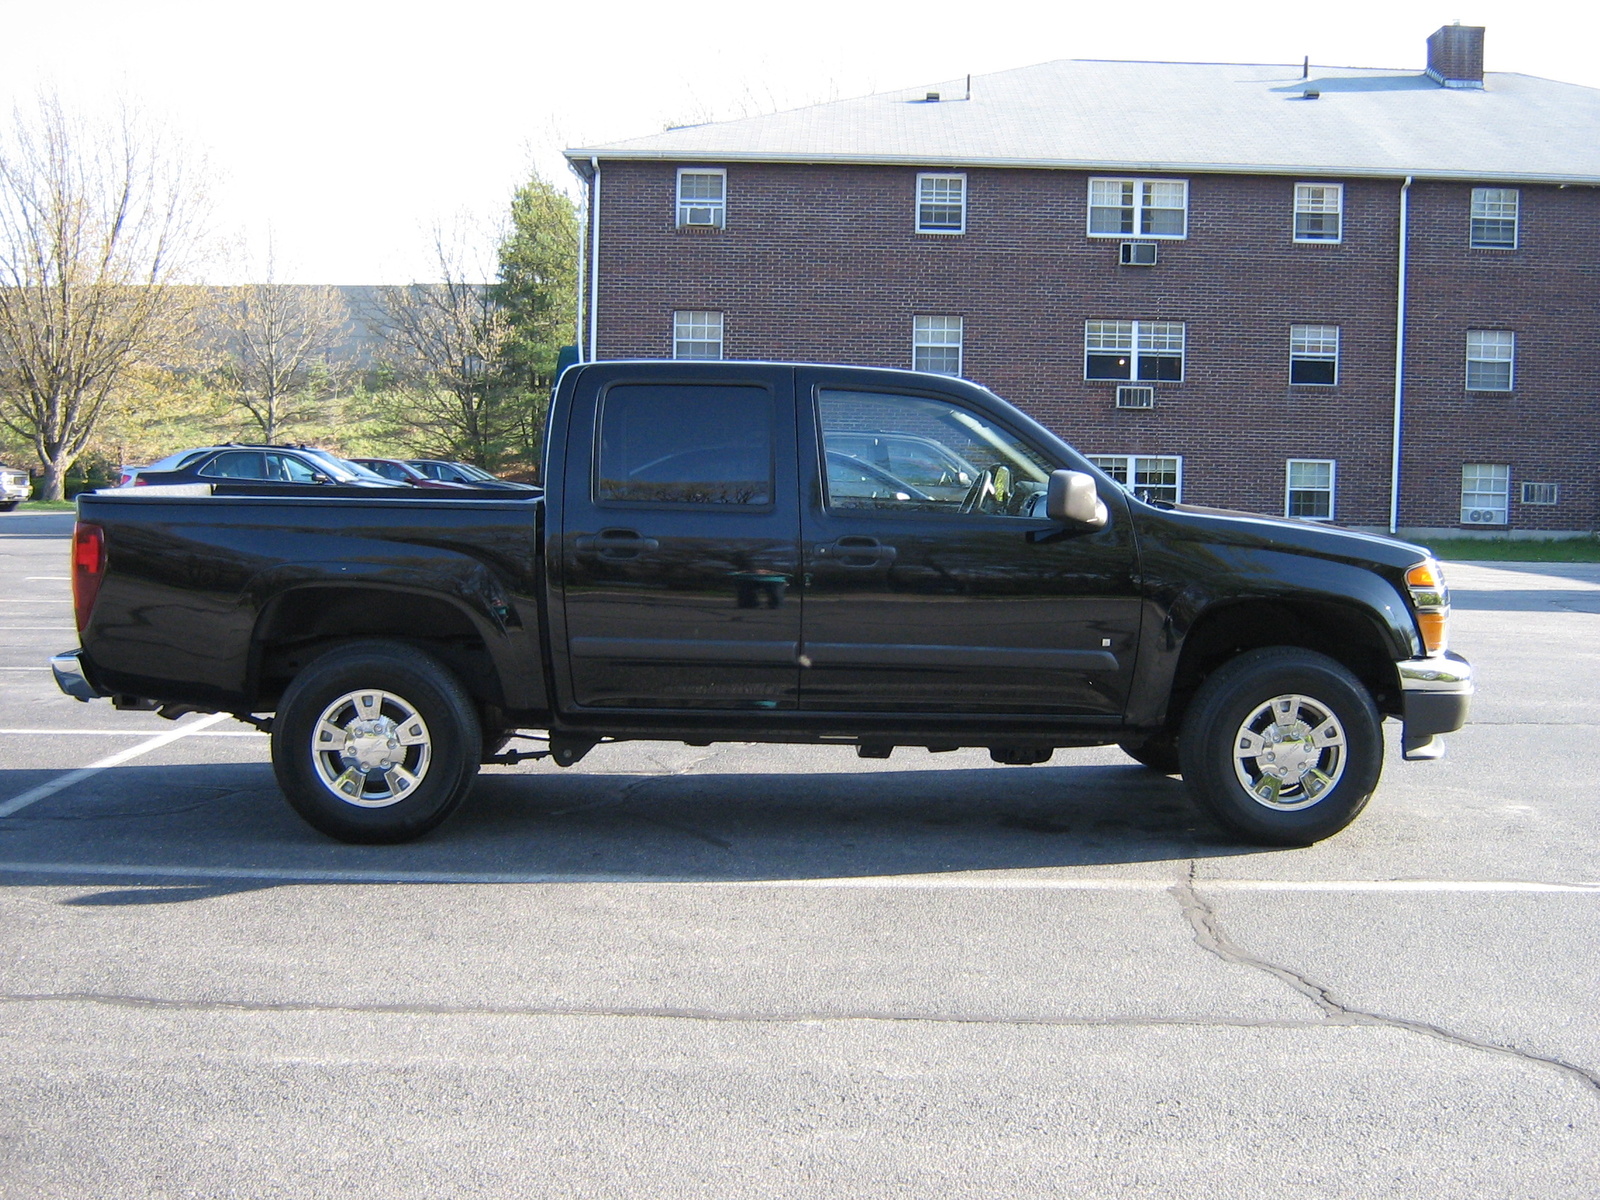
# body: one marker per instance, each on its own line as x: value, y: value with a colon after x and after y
x: 1139, y: 116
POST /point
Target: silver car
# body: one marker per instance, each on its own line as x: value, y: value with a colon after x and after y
x: 15, y: 487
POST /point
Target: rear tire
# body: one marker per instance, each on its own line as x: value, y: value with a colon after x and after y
x: 375, y: 742
x: 1283, y: 746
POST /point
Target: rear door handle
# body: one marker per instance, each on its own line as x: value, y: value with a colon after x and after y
x: 615, y: 543
x: 857, y: 551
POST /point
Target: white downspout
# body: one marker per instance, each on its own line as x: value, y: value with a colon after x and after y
x: 583, y: 251
x: 1399, y: 360
x: 594, y: 262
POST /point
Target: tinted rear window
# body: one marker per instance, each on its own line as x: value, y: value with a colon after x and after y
x: 685, y: 444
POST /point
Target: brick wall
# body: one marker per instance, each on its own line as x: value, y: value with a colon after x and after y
x: 822, y: 263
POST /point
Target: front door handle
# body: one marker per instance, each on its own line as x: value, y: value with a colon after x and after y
x: 615, y: 543
x: 857, y: 551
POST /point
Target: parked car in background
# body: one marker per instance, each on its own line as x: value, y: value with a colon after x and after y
x: 289, y: 465
x: 404, y: 472
x: 15, y: 487
x: 460, y: 472
x: 928, y: 466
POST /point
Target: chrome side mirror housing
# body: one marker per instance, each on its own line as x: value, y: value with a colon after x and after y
x: 1073, y: 499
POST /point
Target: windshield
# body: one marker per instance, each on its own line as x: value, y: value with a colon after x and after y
x: 473, y: 472
x: 343, y: 468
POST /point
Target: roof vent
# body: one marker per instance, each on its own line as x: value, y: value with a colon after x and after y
x: 1455, y: 56
x: 931, y: 98
x: 1311, y: 94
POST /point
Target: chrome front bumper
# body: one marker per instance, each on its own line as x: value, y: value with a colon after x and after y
x: 1435, y: 694
x: 70, y: 678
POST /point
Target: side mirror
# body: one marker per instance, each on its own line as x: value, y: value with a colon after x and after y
x: 1072, y: 499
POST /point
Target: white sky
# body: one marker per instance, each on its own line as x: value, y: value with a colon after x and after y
x: 349, y: 128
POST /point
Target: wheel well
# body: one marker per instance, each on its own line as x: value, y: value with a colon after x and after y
x: 303, y: 624
x: 1343, y: 635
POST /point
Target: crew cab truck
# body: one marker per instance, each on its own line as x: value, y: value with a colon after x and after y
x: 720, y: 554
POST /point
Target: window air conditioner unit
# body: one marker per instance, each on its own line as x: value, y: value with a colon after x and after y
x: 1483, y: 516
x: 1136, y: 397
x: 1138, y: 254
x: 699, y: 218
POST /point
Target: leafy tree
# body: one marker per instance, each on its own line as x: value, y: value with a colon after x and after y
x: 98, y: 221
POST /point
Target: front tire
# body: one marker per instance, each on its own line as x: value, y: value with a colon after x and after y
x: 375, y: 742
x: 1283, y: 746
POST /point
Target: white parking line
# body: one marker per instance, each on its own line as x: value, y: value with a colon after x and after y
x: 212, y: 733
x: 49, y: 578
x: 887, y: 883
x: 33, y: 795
x: 24, y: 668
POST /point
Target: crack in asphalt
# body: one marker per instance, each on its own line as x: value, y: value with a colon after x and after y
x: 1209, y: 935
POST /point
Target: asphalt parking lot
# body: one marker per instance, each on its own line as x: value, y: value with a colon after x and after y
x: 779, y: 971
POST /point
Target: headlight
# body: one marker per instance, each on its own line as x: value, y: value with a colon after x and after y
x: 1430, y: 600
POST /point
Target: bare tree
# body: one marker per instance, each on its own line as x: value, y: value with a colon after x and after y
x: 444, y: 342
x: 97, y: 224
x: 273, y: 342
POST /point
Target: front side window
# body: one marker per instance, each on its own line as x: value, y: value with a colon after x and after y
x: 288, y: 469
x: 895, y: 453
x: 1318, y: 212
x: 1150, y: 351
x: 697, y: 335
x: 1494, y: 218
x: 1155, y: 208
x: 1154, y: 477
x: 1485, y: 489
x: 941, y: 203
x: 702, y: 199
x: 1310, y: 489
x: 1314, y: 354
x: 685, y: 444
x: 1491, y: 357
x: 936, y: 345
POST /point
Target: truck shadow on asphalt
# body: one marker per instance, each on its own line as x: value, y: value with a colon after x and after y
x: 206, y: 830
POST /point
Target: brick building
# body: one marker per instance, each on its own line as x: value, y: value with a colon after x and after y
x: 1229, y: 284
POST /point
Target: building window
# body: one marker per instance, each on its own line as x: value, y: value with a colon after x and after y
x: 1491, y: 354
x: 1156, y: 477
x: 936, y: 345
x: 1314, y: 354
x: 1484, y: 490
x: 1494, y: 218
x: 1157, y: 208
x: 1151, y: 351
x: 1318, y: 212
x: 702, y: 199
x: 941, y: 203
x: 1310, y: 489
x: 696, y: 335
x: 1541, y: 493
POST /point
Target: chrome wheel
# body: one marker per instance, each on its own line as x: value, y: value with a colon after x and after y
x: 1289, y: 752
x: 371, y: 748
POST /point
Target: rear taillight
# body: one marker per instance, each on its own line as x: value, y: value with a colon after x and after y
x: 88, y: 569
x: 1430, y: 600
x: 141, y: 482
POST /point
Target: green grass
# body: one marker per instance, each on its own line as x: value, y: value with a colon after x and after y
x: 1574, y: 550
x: 46, y: 506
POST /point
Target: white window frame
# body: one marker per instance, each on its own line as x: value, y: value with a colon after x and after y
x: 718, y: 208
x: 1141, y: 339
x: 1491, y: 346
x: 927, y: 185
x: 688, y: 322
x: 1310, y: 343
x: 1140, y: 207
x: 1477, y: 475
x: 1289, y: 488
x: 1318, y: 200
x: 1491, y: 204
x: 1124, y: 470
x: 930, y: 332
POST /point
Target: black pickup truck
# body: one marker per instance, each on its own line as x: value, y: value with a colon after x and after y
x: 738, y: 551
